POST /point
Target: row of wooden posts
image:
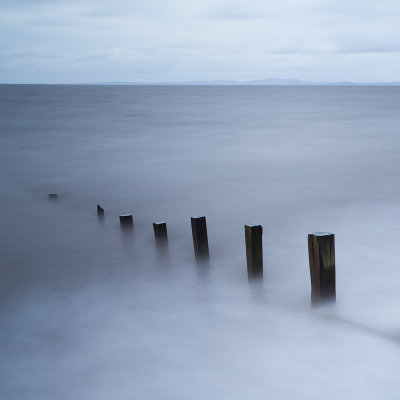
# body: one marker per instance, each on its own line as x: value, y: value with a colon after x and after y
x: 321, y: 252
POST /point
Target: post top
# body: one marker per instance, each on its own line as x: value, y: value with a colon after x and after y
x: 159, y: 222
x: 198, y: 216
x: 253, y: 225
x: 126, y: 215
x: 322, y: 233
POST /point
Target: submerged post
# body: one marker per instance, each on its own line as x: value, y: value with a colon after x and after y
x: 100, y: 211
x: 53, y: 196
x: 126, y: 221
x: 200, y: 240
x: 321, y: 252
x: 254, y: 252
x: 160, y: 232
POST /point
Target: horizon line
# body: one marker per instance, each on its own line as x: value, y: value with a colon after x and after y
x: 221, y: 82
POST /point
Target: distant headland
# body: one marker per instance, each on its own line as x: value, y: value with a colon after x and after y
x: 258, y: 82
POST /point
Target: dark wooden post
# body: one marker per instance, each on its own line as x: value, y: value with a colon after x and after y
x: 126, y: 221
x: 160, y: 232
x: 53, y: 196
x: 100, y: 211
x: 321, y: 252
x: 254, y: 252
x: 200, y: 240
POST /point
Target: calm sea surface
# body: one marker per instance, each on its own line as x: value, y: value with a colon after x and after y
x: 87, y: 312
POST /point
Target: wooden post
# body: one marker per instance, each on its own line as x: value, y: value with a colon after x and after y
x: 100, y: 211
x: 126, y: 221
x: 321, y: 252
x: 254, y: 252
x: 160, y: 232
x: 200, y: 240
x: 53, y: 196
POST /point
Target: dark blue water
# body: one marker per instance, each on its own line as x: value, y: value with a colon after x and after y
x: 90, y: 313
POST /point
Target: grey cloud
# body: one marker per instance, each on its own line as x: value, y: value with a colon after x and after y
x: 226, y: 14
x: 198, y: 39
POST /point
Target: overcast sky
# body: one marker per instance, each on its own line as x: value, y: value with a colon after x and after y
x: 180, y: 40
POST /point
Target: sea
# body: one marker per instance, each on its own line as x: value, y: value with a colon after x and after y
x: 89, y: 311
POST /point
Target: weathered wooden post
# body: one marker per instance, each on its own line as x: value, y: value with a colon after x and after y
x: 254, y: 252
x: 126, y: 221
x: 321, y: 252
x: 200, y: 240
x: 53, y: 196
x: 160, y: 232
x: 100, y: 211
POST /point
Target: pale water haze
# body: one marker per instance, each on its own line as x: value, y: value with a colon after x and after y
x: 90, y: 312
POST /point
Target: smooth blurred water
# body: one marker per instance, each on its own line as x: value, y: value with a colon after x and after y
x: 90, y: 313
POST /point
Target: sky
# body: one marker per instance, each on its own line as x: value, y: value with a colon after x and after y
x: 88, y: 41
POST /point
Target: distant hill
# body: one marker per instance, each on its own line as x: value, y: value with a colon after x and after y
x: 275, y: 81
x: 258, y: 82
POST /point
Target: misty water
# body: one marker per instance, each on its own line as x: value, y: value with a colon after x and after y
x: 88, y: 312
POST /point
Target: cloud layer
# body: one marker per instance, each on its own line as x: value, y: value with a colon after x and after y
x: 177, y: 40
